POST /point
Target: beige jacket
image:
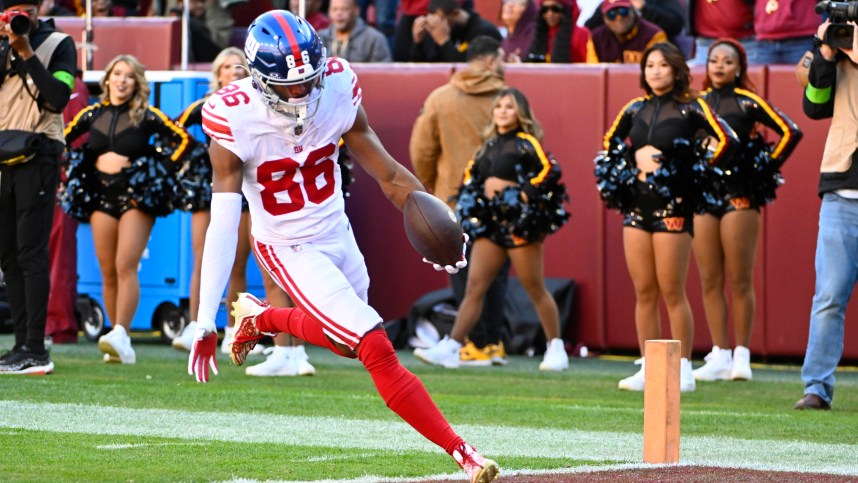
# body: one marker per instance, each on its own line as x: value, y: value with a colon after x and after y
x: 19, y: 110
x: 448, y: 129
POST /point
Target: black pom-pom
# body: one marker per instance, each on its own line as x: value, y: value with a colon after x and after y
x: 78, y: 195
x: 153, y: 184
x: 615, y: 176
x: 193, y: 189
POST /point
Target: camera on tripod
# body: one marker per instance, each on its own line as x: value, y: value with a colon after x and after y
x: 18, y: 20
x: 839, y: 33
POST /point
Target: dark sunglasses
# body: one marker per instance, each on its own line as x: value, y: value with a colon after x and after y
x: 550, y: 8
x: 621, y: 11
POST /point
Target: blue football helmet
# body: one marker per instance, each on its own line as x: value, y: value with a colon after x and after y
x: 283, y: 49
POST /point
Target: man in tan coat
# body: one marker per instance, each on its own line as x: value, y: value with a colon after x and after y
x: 445, y: 137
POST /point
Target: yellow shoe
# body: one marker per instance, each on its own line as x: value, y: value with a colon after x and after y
x: 497, y: 353
x: 470, y: 355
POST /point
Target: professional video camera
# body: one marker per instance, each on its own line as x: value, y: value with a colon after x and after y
x: 839, y: 33
x: 18, y: 20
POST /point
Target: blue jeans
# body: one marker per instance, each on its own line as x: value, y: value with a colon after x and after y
x: 786, y: 51
x: 702, y: 44
x: 836, y: 274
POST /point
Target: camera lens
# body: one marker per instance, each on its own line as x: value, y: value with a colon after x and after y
x: 20, y: 24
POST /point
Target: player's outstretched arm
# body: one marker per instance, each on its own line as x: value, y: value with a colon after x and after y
x: 395, y: 181
x: 218, y: 256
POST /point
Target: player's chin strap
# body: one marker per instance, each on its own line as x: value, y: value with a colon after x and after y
x: 218, y: 255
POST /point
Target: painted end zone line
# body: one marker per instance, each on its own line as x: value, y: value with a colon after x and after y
x: 497, y: 442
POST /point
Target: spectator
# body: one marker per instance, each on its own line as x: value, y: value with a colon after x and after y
x: 42, y: 61
x: 403, y: 38
x: 510, y: 201
x: 558, y: 38
x: 62, y: 325
x: 203, y: 46
x: 658, y: 204
x: 444, y: 34
x: 833, y: 81
x: 325, y: 273
x: 102, y: 8
x: 385, y: 15
x: 50, y: 8
x: 625, y: 35
x: 726, y: 235
x: 349, y: 37
x: 312, y: 13
x: 666, y: 14
x: 128, y: 185
x: 519, y: 20
x: 722, y: 19
x: 784, y: 30
x: 445, y: 136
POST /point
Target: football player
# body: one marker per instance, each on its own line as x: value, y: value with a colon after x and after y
x: 275, y: 138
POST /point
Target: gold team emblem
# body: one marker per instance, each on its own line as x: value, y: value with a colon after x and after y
x: 771, y: 6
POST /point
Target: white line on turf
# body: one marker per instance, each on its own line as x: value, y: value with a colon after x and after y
x: 494, y: 441
x: 143, y: 445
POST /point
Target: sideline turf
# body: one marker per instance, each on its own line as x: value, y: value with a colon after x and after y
x: 518, y: 399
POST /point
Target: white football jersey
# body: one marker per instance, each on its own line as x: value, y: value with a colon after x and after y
x: 291, y: 179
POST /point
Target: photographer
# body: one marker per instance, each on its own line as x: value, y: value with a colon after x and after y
x: 36, y: 78
x: 833, y: 79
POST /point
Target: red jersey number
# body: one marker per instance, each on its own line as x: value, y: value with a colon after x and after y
x: 279, y: 175
x: 232, y: 95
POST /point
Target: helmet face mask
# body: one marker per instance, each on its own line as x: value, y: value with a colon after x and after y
x: 285, y: 54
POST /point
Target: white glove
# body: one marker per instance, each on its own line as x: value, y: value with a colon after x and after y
x: 451, y: 269
x: 203, y: 351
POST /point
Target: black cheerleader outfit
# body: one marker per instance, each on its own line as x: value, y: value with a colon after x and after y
x: 194, y: 176
x: 510, y: 219
x: 668, y: 199
x: 148, y: 184
x: 752, y: 174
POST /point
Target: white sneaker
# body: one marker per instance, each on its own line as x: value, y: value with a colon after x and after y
x: 555, y: 358
x: 299, y: 355
x: 634, y: 382
x: 224, y: 344
x: 741, y: 364
x: 719, y: 364
x: 278, y: 363
x: 117, y: 344
x: 686, y: 376
x: 445, y: 353
x: 185, y: 340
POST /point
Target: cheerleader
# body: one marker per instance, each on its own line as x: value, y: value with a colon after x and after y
x: 726, y: 240
x: 119, y: 183
x: 657, y: 182
x: 510, y: 201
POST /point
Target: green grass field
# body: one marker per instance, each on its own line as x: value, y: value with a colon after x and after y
x: 92, y: 421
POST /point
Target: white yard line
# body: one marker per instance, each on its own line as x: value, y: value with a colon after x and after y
x: 498, y: 442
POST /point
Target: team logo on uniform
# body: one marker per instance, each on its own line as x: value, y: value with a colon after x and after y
x: 299, y: 149
x: 674, y: 223
x: 251, y: 47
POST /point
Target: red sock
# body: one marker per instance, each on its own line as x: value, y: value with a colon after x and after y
x: 403, y: 392
x: 294, y: 321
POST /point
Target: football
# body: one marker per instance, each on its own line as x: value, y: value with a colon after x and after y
x: 432, y: 228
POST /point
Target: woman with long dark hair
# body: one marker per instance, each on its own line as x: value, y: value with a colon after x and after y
x: 656, y: 182
x: 558, y: 38
x: 726, y: 240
